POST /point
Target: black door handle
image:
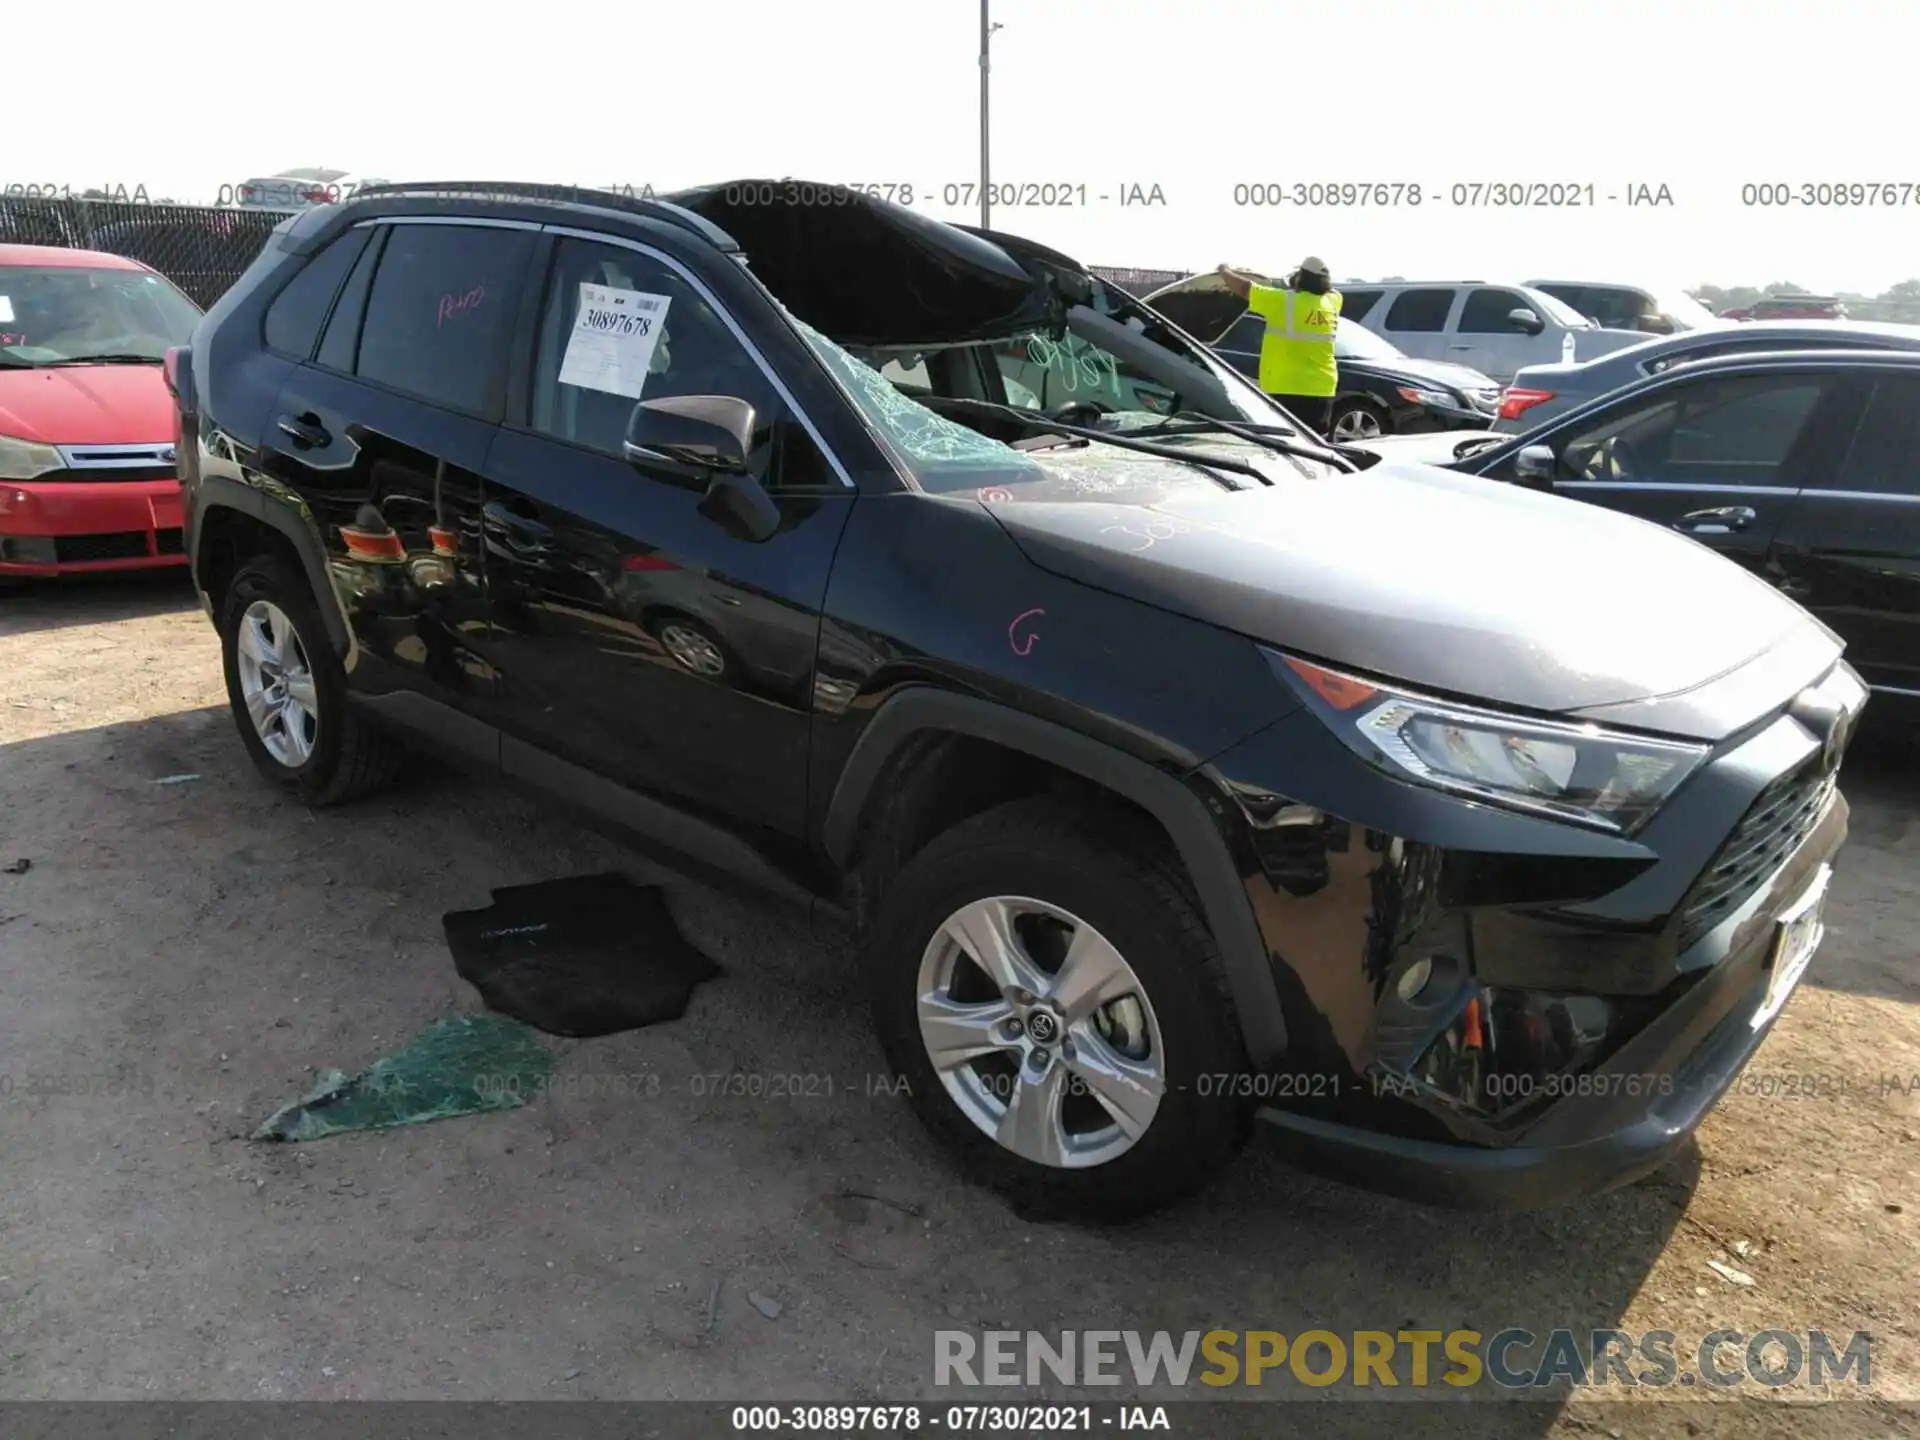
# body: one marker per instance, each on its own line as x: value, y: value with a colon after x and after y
x: 305, y: 431
x: 1722, y: 520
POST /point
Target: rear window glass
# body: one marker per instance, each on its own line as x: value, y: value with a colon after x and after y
x: 442, y: 312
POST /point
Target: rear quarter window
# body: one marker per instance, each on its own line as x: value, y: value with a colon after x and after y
x: 1355, y: 304
x: 297, y: 313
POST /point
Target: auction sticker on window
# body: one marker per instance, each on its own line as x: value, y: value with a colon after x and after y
x: 6, y: 310
x: 613, y: 339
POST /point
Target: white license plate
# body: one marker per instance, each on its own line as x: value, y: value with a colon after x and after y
x: 1797, y: 935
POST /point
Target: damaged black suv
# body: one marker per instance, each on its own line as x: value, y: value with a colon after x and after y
x: 1182, y: 777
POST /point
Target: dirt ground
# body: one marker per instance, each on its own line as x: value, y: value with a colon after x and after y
x: 215, y: 945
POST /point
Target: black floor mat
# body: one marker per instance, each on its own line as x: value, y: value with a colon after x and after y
x: 587, y: 956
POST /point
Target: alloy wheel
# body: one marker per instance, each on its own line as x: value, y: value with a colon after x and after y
x: 1040, y: 1032
x: 1357, y: 425
x: 276, y: 682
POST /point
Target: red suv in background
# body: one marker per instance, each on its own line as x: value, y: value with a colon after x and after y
x: 86, y: 424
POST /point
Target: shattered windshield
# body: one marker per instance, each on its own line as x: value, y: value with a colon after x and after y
x: 943, y: 454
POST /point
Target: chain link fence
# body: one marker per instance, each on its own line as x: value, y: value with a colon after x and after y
x: 201, y: 248
x: 205, y: 248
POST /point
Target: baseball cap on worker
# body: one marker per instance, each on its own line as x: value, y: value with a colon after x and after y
x: 1314, y: 265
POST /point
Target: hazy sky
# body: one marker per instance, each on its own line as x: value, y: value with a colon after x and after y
x: 1195, y: 97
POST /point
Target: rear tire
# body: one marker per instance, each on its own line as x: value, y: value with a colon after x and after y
x: 288, y: 691
x: 1077, y: 889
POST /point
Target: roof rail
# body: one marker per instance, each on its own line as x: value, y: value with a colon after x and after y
x: 541, y: 192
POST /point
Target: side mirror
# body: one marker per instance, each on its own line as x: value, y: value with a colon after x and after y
x: 1525, y: 321
x: 710, y: 432
x: 1535, y: 465
x: 713, y: 433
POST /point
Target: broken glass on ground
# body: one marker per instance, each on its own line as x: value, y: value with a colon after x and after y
x: 590, y: 955
x: 462, y: 1065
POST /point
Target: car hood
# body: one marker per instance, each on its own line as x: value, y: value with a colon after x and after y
x: 1420, y: 372
x: 1439, y: 580
x: 921, y: 281
x: 1441, y: 448
x: 85, y: 404
x: 1592, y: 344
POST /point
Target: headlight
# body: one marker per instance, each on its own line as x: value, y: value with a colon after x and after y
x: 1576, y: 772
x: 1430, y: 397
x: 22, y: 459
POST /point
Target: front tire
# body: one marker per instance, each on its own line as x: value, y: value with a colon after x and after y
x: 1358, y: 420
x: 288, y: 691
x: 1057, y: 1009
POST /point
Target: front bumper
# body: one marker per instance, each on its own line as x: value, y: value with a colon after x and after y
x: 1590, y: 996
x: 1645, y: 1102
x: 73, y: 527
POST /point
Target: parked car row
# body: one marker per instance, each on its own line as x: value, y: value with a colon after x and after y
x: 1796, y: 464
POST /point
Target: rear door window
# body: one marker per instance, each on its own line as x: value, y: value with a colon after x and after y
x: 1420, y: 311
x: 441, y: 313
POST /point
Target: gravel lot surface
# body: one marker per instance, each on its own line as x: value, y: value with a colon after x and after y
x: 214, y: 945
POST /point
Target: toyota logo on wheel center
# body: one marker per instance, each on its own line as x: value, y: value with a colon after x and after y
x: 1043, y: 1027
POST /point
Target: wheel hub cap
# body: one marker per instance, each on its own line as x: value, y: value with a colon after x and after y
x: 1040, y: 1032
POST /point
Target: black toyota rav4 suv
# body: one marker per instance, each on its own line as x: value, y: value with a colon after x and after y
x: 1182, y: 778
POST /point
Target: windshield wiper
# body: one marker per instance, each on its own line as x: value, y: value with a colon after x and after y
x: 1266, y: 436
x: 1164, y: 452
x: 115, y: 358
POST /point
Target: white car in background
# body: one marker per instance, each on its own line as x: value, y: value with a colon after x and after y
x: 1629, y: 307
x: 1495, y: 329
x: 299, y: 189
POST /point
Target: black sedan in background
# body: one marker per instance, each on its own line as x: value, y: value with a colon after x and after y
x: 1803, y: 466
x: 1382, y: 390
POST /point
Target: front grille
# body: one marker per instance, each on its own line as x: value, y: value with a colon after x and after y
x: 120, y: 545
x: 109, y: 474
x: 1776, y: 826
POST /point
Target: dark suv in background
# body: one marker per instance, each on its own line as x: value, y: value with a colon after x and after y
x: 1177, y: 771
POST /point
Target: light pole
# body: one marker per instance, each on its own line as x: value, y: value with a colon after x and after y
x: 986, y: 32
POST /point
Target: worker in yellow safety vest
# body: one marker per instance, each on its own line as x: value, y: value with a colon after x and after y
x: 1296, y: 353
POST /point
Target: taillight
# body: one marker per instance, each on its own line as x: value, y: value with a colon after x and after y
x: 1513, y: 401
x: 647, y: 562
